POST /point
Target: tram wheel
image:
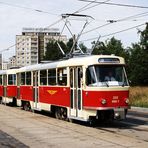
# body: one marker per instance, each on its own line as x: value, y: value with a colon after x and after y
x: 57, y: 113
x: 61, y: 113
x: 71, y: 120
x: 26, y: 106
x: 1, y: 100
x: 92, y: 122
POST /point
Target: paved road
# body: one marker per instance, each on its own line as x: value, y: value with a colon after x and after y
x: 20, y: 129
x: 136, y: 126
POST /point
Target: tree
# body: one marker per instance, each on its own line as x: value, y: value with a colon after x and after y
x: 138, y: 69
x: 112, y: 46
x: 70, y: 43
x: 144, y: 38
x: 53, y: 52
x: 81, y: 45
x: 99, y: 48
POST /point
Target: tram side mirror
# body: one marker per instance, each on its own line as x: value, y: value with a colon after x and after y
x: 80, y: 74
x: 130, y: 82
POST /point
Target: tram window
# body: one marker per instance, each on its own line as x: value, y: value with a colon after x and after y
x: 62, y: 76
x: 28, y: 78
x: 1, y: 80
x: 23, y: 78
x: 52, y: 77
x: 12, y: 79
x: 90, y: 76
x: 43, y: 77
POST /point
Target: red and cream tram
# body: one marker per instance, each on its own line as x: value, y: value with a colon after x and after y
x: 8, y: 86
x: 82, y: 88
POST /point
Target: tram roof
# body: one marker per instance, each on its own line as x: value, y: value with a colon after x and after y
x: 75, y: 61
x: 3, y: 72
x: 9, y: 71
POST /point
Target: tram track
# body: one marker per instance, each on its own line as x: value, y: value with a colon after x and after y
x: 116, y: 127
x: 114, y: 130
x: 129, y: 129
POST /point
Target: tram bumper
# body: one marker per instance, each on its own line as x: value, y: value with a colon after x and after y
x: 119, y: 113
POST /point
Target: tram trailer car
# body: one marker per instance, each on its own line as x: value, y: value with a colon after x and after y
x: 75, y: 88
x: 8, y: 86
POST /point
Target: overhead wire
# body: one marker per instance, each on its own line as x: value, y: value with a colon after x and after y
x: 29, y: 8
x: 32, y: 9
x: 117, y: 32
x: 143, y: 14
x: 118, y: 20
x: 92, y: 2
x: 78, y: 11
x: 86, y: 7
x: 81, y: 9
x: 96, y: 28
x: 117, y: 4
x: 37, y: 10
x: 113, y: 21
x: 6, y: 49
x: 134, y: 17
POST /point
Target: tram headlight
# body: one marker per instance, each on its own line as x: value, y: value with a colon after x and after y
x: 103, y: 101
x: 127, y: 101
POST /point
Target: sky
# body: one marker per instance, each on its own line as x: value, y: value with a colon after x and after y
x: 16, y: 14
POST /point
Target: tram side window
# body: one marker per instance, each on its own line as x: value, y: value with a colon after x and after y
x: 1, y: 82
x: 90, y: 76
x: 52, y: 77
x: 28, y: 78
x: 23, y: 78
x: 43, y: 77
x: 62, y: 76
x: 12, y: 79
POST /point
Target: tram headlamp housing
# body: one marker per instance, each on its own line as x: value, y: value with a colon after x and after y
x: 103, y: 101
x: 127, y: 101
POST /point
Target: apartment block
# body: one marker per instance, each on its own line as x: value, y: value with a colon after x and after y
x: 31, y: 44
x: 12, y: 62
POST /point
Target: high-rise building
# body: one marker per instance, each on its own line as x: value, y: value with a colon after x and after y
x: 31, y: 45
x: 5, y: 65
x: 12, y: 62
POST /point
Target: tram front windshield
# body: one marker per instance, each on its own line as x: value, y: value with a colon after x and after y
x: 106, y: 75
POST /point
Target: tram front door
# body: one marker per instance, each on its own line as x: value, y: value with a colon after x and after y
x: 76, y: 91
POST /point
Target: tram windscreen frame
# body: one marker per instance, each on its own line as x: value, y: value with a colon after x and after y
x: 98, y: 76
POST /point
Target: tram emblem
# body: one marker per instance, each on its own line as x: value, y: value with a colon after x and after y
x: 52, y: 92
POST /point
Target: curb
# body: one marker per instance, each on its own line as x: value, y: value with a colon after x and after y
x: 140, y: 109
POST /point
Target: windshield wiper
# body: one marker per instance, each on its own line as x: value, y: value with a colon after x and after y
x: 123, y: 84
x: 106, y: 83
